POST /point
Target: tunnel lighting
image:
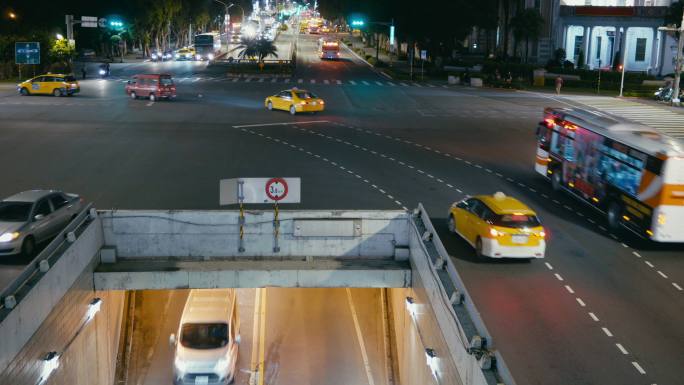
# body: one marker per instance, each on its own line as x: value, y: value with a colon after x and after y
x: 93, y: 308
x: 431, y: 359
x: 50, y: 364
x: 411, y: 306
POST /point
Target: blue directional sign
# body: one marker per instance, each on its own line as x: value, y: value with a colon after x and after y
x: 27, y: 52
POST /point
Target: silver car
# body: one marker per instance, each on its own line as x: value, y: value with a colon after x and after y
x: 32, y: 217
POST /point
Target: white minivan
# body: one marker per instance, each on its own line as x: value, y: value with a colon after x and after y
x: 206, y: 344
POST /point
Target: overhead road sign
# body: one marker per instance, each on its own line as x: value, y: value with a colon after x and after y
x: 260, y: 190
x: 27, y: 52
x: 89, y: 21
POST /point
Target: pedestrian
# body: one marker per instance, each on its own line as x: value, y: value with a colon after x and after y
x: 107, y: 68
x: 559, y: 84
x: 83, y: 72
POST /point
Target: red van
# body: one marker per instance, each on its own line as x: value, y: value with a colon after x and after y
x: 151, y: 86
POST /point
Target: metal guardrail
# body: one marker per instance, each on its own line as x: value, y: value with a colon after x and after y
x: 48, y: 254
x: 458, y: 296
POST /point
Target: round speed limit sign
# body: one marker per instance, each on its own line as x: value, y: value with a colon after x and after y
x: 276, y: 189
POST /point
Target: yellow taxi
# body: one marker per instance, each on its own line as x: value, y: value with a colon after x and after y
x: 50, y: 84
x: 498, y: 226
x: 294, y: 101
x: 185, y: 53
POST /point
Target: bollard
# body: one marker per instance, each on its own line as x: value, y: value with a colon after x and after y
x: 44, y: 266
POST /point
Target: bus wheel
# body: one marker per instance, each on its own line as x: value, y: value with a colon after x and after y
x: 556, y: 181
x: 614, y: 213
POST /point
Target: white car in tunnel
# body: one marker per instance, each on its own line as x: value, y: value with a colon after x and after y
x: 206, y: 344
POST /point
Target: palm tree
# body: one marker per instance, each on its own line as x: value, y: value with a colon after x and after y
x: 256, y: 48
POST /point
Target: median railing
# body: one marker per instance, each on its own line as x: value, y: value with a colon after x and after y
x: 12, y: 294
x: 472, y: 331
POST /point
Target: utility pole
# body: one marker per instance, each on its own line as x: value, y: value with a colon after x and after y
x: 680, y: 59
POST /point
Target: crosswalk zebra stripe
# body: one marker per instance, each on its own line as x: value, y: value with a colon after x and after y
x: 326, y: 81
x: 338, y: 81
x: 313, y: 81
x: 365, y: 83
x: 378, y: 83
x: 261, y: 80
x: 352, y: 82
x: 235, y: 80
x: 392, y: 84
x: 404, y: 84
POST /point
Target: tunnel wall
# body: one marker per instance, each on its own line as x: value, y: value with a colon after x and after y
x: 88, y: 350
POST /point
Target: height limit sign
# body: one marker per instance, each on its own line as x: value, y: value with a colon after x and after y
x: 260, y: 190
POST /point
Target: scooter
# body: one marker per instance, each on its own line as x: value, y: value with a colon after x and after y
x: 663, y: 93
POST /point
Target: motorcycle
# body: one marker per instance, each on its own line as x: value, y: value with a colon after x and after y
x: 663, y: 93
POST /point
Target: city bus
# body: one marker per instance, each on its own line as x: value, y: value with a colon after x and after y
x: 329, y: 49
x: 207, y: 45
x: 631, y: 172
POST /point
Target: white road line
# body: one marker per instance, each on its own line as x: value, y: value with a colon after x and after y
x: 579, y: 301
x: 569, y: 289
x: 677, y: 286
x: 352, y: 82
x: 359, y: 336
x: 235, y: 80
x: 622, y: 348
x: 624, y: 245
x: 326, y: 81
x: 558, y: 277
x: 338, y: 81
x: 365, y: 83
x: 593, y: 316
x: 274, y: 80
x: 313, y: 81
x: 404, y: 84
x: 378, y: 83
x: 636, y: 254
x: 248, y: 80
x: 638, y: 367
x: 608, y: 333
x: 662, y: 274
x: 280, y: 124
x: 261, y: 80
x: 548, y: 265
x: 649, y: 264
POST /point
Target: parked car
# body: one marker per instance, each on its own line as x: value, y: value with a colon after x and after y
x: 151, y: 86
x: 32, y: 217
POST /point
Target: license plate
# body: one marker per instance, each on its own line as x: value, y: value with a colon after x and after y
x: 201, y: 380
x: 519, y: 238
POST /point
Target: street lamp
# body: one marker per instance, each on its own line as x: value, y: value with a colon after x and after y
x: 12, y: 15
x: 59, y: 36
x: 678, y: 65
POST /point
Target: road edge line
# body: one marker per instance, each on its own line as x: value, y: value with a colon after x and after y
x: 359, y: 336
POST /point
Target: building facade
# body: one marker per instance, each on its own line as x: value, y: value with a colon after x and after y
x: 598, y: 33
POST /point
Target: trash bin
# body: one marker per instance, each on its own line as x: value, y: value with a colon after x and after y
x: 539, y: 75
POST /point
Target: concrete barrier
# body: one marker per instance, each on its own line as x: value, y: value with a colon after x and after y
x: 198, y: 234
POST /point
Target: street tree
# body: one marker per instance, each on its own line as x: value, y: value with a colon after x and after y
x: 527, y: 24
x: 256, y: 49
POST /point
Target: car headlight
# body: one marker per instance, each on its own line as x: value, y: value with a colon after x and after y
x: 180, y: 365
x: 9, y: 237
x: 210, y: 56
x: 177, y: 56
x: 154, y: 56
x: 198, y: 57
x: 102, y: 72
x: 221, y: 366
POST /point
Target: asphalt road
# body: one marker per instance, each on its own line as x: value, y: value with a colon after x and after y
x: 599, y: 309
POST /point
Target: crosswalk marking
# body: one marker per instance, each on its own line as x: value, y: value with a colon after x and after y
x: 417, y: 85
x: 352, y: 82
x: 338, y: 81
x: 662, y: 119
x: 261, y: 80
x: 392, y: 84
x: 365, y: 83
x: 235, y: 80
x: 378, y: 83
x: 326, y: 81
x: 248, y: 80
x: 404, y: 84
x: 313, y: 81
